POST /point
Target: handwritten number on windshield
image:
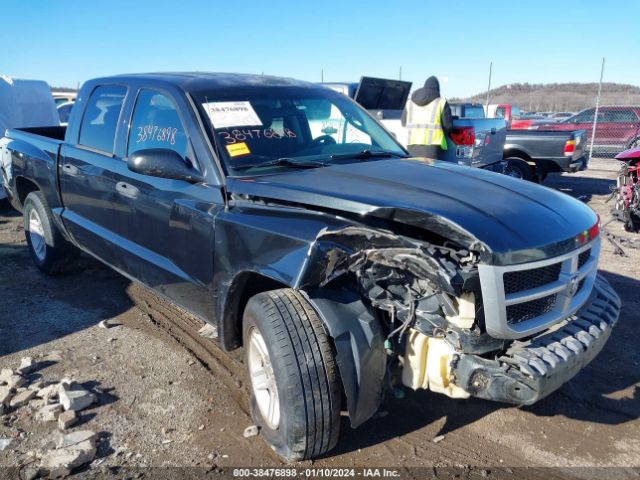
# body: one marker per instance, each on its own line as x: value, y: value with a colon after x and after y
x: 235, y: 136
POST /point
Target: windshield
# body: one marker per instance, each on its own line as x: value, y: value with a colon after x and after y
x: 258, y: 130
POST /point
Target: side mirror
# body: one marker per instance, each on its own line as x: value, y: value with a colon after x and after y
x: 163, y: 163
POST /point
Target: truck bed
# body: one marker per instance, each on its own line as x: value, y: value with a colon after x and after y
x: 34, y: 155
x: 548, y: 147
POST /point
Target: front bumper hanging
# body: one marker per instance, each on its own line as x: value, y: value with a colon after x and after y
x: 530, y: 370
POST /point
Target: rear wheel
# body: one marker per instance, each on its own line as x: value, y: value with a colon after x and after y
x: 295, y: 389
x: 518, y: 168
x: 49, y: 250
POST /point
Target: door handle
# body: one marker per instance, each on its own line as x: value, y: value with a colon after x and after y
x: 70, y: 169
x: 127, y: 190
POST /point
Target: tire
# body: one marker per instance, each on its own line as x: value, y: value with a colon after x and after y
x: 518, y: 168
x: 51, y: 253
x: 299, y: 366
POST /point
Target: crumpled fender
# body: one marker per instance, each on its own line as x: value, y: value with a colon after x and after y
x: 360, y: 352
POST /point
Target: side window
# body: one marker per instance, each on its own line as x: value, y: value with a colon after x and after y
x: 622, y: 116
x: 156, y: 124
x: 584, y: 117
x: 100, y: 120
x: 500, y: 112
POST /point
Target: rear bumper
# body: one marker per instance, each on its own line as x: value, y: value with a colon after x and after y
x: 529, y: 371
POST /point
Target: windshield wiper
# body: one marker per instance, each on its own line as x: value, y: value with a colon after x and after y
x: 281, y: 162
x: 368, y: 153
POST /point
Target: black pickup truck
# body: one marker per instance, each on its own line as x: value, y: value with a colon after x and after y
x: 533, y: 154
x: 284, y: 215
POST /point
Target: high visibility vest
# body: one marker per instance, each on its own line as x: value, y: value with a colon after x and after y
x: 425, y: 123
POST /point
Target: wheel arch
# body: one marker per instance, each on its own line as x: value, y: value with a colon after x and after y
x: 244, y: 285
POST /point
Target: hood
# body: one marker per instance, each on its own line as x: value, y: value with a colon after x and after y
x: 428, y: 93
x: 515, y: 220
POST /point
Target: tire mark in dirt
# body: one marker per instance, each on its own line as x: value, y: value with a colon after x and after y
x: 183, y: 327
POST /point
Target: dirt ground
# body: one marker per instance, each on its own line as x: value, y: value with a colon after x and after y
x: 169, y: 398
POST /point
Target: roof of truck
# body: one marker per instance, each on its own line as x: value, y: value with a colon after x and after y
x: 193, y: 81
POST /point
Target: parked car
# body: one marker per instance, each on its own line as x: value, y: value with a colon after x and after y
x: 524, y: 122
x: 339, y: 263
x: 532, y: 154
x: 23, y: 103
x: 561, y: 115
x: 475, y: 141
x: 617, y: 129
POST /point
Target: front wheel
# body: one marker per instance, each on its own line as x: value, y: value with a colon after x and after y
x: 51, y: 253
x: 295, y: 387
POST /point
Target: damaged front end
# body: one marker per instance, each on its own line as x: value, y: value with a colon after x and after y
x: 429, y: 299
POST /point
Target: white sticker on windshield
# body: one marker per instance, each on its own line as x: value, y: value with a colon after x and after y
x: 232, y: 114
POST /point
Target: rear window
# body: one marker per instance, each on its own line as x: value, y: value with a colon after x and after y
x: 474, y: 112
x: 100, y: 120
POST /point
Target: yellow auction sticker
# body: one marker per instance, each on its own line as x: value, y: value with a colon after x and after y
x: 237, y: 149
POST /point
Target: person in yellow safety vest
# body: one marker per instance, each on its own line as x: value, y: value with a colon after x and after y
x: 427, y: 117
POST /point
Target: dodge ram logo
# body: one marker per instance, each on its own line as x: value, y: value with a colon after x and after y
x: 574, y: 284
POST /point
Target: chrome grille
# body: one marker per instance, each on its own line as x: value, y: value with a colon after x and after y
x: 521, y: 312
x: 520, y: 300
x: 583, y: 257
x: 521, y: 280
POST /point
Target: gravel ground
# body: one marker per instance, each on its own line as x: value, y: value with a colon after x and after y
x: 168, y: 398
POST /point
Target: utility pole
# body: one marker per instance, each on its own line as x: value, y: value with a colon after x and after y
x: 400, y: 73
x: 322, y: 75
x: 595, y: 115
x: 489, y: 87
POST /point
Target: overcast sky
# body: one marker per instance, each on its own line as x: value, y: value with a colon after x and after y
x: 66, y: 42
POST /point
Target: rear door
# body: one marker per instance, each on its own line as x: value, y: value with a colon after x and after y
x: 171, y: 240
x: 94, y: 213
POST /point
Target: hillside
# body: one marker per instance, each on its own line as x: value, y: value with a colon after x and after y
x: 559, y: 96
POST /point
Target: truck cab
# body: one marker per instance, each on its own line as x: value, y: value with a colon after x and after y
x: 284, y: 215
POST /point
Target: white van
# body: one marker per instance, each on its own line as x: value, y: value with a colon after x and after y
x: 23, y: 103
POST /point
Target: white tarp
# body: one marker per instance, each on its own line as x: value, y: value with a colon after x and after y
x: 26, y: 103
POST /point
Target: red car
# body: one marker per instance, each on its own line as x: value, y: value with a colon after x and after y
x: 617, y: 129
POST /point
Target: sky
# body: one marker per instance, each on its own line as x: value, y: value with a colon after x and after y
x: 66, y: 42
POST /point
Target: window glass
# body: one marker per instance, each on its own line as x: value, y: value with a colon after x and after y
x: 98, y: 128
x: 500, y: 112
x: 619, y: 116
x: 156, y: 124
x: 256, y: 127
x: 473, y: 111
x: 583, y: 117
x: 64, y: 111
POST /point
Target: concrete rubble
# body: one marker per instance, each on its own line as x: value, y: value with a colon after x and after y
x: 67, y: 419
x: 48, y: 392
x: 75, y: 397
x: 57, y: 402
x: 49, y: 413
x: 5, y: 395
x: 72, y: 451
x: 21, y: 398
x: 27, y: 365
